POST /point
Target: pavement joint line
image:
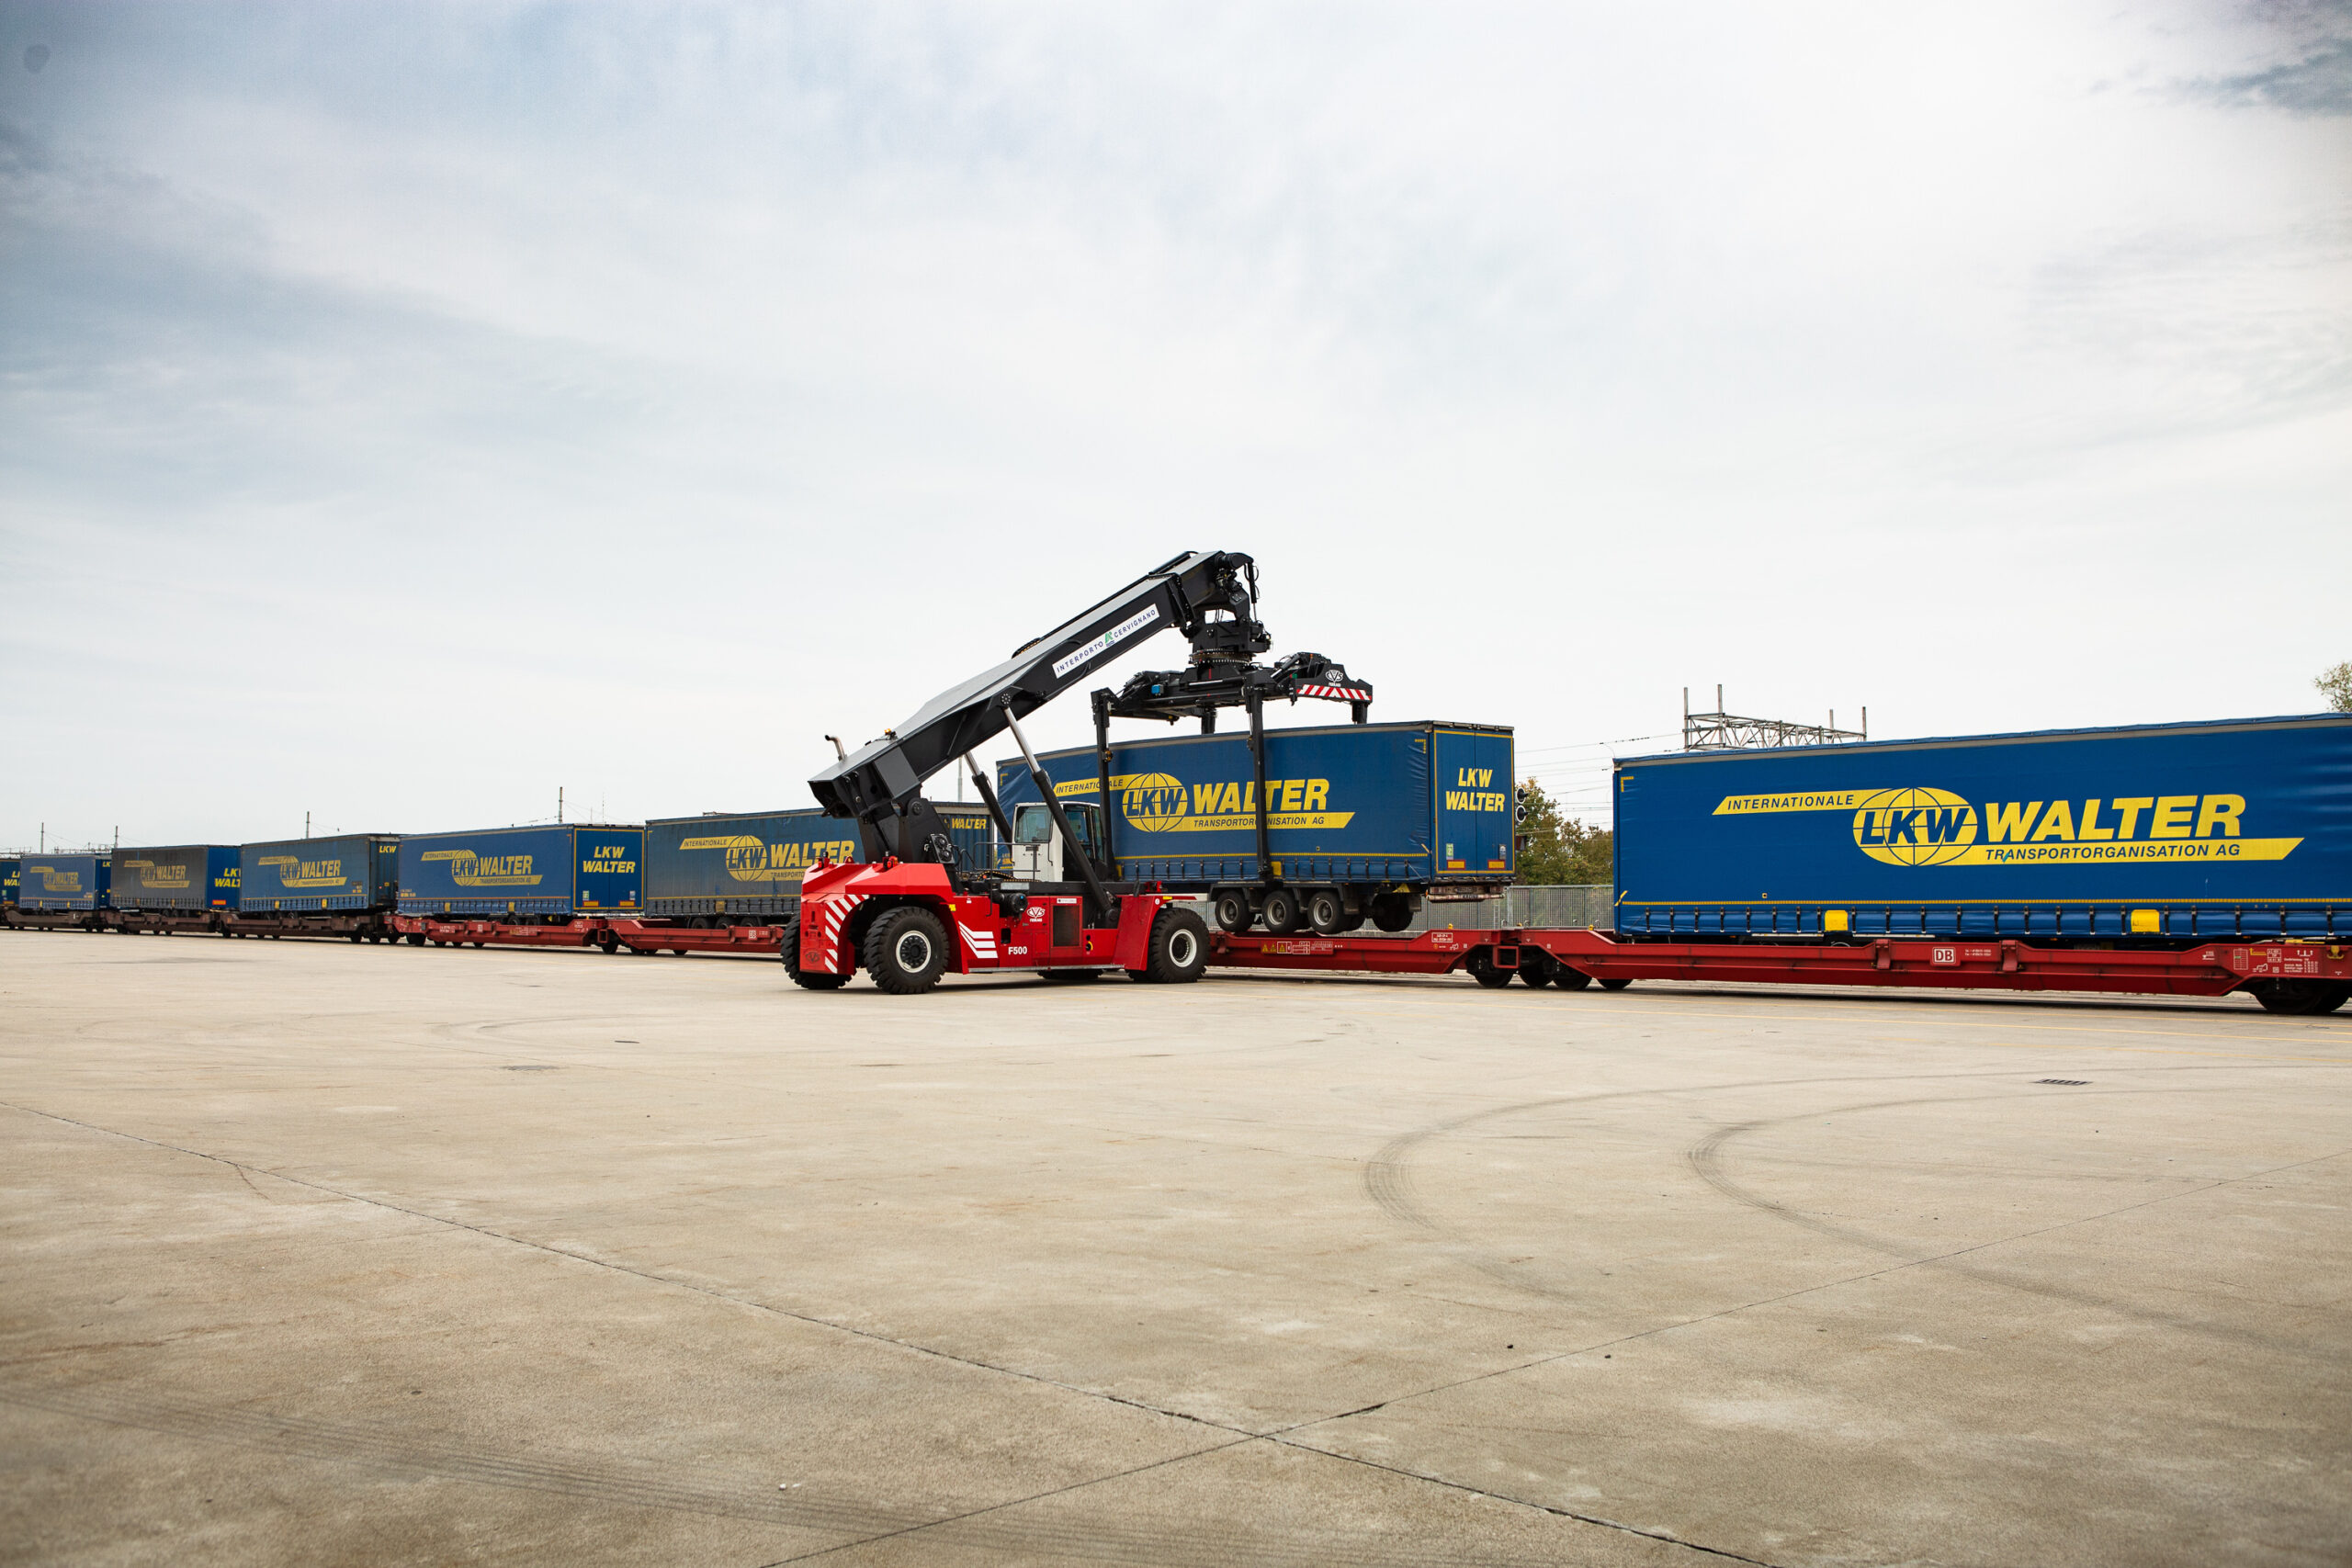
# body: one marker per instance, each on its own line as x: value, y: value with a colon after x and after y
x: 1604, y: 1522
x: 1809, y: 1290
x: 1014, y: 1502
x: 646, y: 1275
x: 1241, y: 1435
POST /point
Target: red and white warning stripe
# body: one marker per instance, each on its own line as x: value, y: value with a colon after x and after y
x: 1337, y: 694
x: 833, y: 909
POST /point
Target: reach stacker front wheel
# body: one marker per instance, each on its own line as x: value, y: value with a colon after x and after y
x: 904, y: 951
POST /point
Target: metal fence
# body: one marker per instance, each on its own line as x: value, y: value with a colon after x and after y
x: 1572, y: 905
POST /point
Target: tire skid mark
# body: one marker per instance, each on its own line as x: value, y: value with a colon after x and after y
x: 1705, y: 1160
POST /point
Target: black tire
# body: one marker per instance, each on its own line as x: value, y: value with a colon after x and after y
x: 1616, y: 982
x: 1326, y: 909
x: 1392, y: 912
x: 2299, y: 999
x: 1281, y: 911
x: 1481, y: 966
x: 1179, y: 950
x: 788, y: 949
x: 1567, y: 979
x: 906, y: 950
x: 1232, y: 910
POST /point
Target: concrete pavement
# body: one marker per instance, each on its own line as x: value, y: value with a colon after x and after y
x: 325, y: 1254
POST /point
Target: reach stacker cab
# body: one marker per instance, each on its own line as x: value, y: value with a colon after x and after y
x: 915, y: 910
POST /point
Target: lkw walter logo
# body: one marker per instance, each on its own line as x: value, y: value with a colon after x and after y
x: 1921, y: 826
x: 1914, y: 827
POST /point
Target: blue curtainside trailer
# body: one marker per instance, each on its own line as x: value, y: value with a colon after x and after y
x: 180, y: 878
x: 348, y: 871
x: 8, y: 881
x: 2161, y: 833
x: 1371, y: 816
x: 60, y: 882
x: 552, y: 871
x: 750, y: 864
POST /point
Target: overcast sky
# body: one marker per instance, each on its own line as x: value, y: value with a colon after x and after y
x: 409, y: 410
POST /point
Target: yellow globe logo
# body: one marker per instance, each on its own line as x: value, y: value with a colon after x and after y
x: 1914, y: 827
x: 746, y: 859
x: 1153, y: 802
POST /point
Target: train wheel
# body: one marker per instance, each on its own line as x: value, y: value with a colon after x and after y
x: 1567, y: 979
x: 2300, y: 997
x: 1483, y: 969
x: 1534, y: 966
x: 1614, y: 982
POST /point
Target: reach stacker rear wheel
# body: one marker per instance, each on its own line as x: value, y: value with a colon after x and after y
x: 1179, y: 950
x: 788, y: 949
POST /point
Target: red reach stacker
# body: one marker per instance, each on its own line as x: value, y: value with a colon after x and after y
x: 913, y: 912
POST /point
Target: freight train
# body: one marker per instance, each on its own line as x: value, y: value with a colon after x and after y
x: 2189, y: 859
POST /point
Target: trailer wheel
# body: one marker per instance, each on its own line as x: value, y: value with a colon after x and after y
x: 1567, y: 979
x: 788, y: 949
x: 1391, y: 912
x: 1279, y: 911
x: 1179, y: 950
x: 1616, y: 982
x: 1232, y: 910
x: 904, y: 951
x: 2300, y: 997
x: 1483, y: 968
x: 1327, y: 911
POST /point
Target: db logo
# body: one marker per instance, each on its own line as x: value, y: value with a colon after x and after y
x: 1944, y: 955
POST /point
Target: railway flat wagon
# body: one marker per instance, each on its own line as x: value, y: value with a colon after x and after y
x: 346, y: 874
x: 726, y: 867
x: 2154, y: 834
x: 180, y: 879
x: 543, y: 873
x: 1361, y: 820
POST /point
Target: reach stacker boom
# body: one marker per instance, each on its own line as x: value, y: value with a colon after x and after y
x: 916, y: 909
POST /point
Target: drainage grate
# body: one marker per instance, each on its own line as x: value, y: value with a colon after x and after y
x: 2070, y: 1083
